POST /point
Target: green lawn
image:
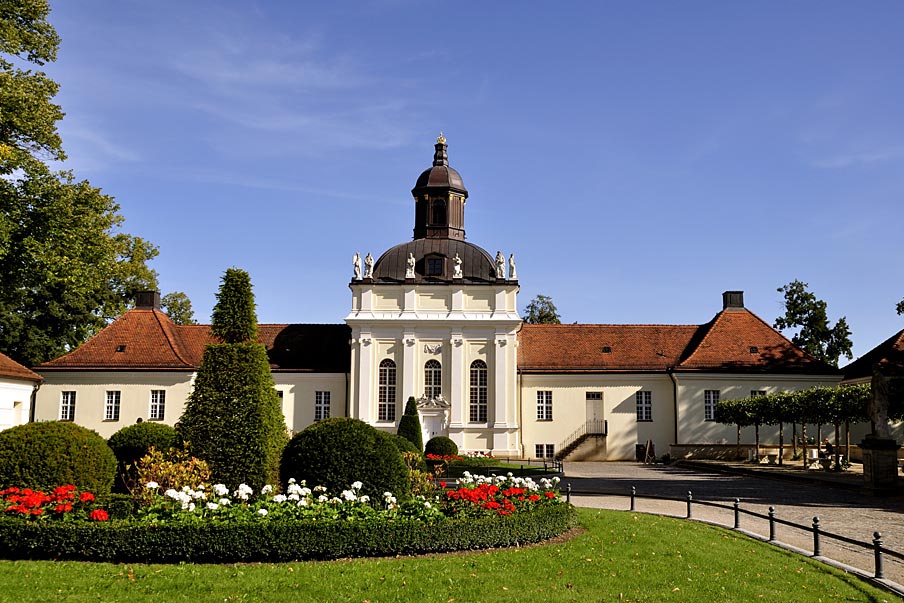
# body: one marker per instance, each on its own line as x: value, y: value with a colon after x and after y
x: 620, y: 557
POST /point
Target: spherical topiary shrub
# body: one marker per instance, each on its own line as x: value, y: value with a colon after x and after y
x: 441, y: 446
x: 55, y: 453
x: 133, y: 442
x: 340, y: 451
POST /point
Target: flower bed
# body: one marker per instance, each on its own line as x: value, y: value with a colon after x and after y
x: 214, y: 525
x: 65, y: 503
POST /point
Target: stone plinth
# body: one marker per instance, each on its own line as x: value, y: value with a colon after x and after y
x: 880, y: 464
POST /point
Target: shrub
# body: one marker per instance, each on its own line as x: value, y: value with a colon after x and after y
x: 405, y: 446
x: 46, y: 455
x: 410, y: 425
x: 233, y: 418
x: 170, y: 469
x: 133, y: 442
x: 441, y: 446
x: 338, y: 451
x: 274, y: 541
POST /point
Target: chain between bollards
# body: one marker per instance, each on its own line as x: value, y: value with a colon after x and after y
x: 633, y: 494
x: 771, y: 524
x: 690, y: 497
x: 816, y: 550
x: 877, y: 544
x: 737, y: 513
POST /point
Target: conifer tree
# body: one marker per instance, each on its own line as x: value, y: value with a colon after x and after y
x: 233, y: 418
x: 410, y: 425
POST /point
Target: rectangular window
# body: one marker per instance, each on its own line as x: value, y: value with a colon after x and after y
x: 757, y: 392
x: 544, y: 451
x: 710, y: 399
x: 321, y: 406
x: 644, y: 400
x: 544, y: 406
x: 111, y: 408
x: 386, y: 395
x: 67, y: 406
x: 592, y: 396
x: 158, y: 404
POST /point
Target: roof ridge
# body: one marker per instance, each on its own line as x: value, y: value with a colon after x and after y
x: 169, y: 335
x: 610, y: 324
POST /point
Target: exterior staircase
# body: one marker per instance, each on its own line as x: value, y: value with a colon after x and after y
x: 590, y: 429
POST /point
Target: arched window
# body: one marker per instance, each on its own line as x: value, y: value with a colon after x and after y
x: 478, y: 409
x: 439, y: 213
x: 386, y: 397
x: 433, y: 379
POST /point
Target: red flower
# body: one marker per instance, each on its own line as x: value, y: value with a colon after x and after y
x: 86, y: 497
x: 550, y: 494
x: 442, y: 484
x: 533, y: 497
x: 63, y: 508
x: 98, y: 515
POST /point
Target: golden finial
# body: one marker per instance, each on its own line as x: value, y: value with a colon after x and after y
x: 441, y: 139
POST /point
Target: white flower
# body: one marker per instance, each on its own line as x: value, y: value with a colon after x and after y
x: 426, y: 505
x: 262, y: 512
x: 303, y: 502
x: 171, y: 494
x: 291, y: 497
x: 152, y: 485
x: 322, y: 498
x: 213, y: 506
x: 357, y: 486
x: 348, y: 495
x: 279, y: 498
x: 220, y: 490
x: 200, y: 487
x: 365, y: 498
x: 291, y: 480
x: 267, y: 489
x: 224, y: 501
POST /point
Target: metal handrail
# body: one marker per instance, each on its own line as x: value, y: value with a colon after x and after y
x: 599, y: 427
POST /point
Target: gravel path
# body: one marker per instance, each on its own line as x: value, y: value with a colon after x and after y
x: 844, y: 512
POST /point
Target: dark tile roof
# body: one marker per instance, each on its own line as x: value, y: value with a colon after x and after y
x: 146, y: 339
x: 888, y: 355
x: 11, y: 369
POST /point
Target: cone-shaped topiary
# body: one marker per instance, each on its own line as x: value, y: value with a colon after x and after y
x: 410, y: 425
x: 233, y: 418
x: 234, y: 319
x: 43, y: 456
x: 337, y: 452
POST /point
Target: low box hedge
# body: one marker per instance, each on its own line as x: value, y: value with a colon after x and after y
x: 211, y: 542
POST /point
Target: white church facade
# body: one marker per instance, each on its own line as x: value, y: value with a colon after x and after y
x: 436, y: 318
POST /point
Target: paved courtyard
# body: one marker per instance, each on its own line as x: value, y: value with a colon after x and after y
x: 841, y: 511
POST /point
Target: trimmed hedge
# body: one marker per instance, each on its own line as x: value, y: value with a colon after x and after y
x: 133, y: 442
x: 410, y: 425
x: 339, y: 451
x: 274, y: 541
x: 45, y: 455
x: 441, y: 446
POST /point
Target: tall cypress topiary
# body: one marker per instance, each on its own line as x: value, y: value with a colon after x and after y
x: 233, y: 418
x: 410, y: 425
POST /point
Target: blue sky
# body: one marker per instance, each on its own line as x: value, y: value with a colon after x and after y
x: 638, y: 158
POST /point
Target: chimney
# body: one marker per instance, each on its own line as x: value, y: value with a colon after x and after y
x: 147, y: 300
x: 732, y: 299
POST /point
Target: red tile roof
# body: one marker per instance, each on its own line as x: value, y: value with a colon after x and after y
x: 889, y: 355
x: 725, y: 344
x: 146, y: 339
x: 739, y: 340
x: 579, y: 348
x: 11, y: 369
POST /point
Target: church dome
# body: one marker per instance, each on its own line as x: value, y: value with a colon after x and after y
x: 440, y: 175
x: 435, y: 263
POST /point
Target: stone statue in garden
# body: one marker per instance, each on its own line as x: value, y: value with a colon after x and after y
x: 878, y: 405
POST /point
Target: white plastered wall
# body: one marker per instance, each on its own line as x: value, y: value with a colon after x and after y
x: 15, y: 402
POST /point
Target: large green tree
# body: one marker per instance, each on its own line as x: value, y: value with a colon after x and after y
x: 66, y: 268
x: 233, y: 418
x: 806, y: 314
x: 541, y: 310
x: 178, y: 307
